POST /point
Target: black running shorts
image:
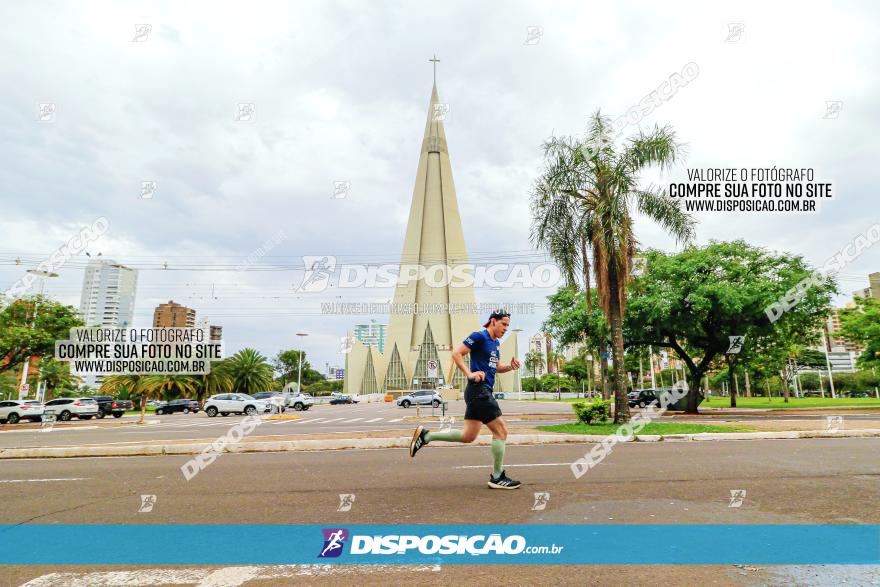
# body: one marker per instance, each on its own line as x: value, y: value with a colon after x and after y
x: 480, y: 402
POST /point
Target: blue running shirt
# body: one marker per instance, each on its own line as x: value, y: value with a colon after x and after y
x: 484, y: 354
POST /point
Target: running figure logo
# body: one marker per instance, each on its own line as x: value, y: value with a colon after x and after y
x: 346, y: 500
x: 334, y: 540
x: 317, y: 273
x: 736, y: 344
x: 542, y: 498
x: 737, y: 496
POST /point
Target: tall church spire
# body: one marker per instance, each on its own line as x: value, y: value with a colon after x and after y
x: 434, y: 239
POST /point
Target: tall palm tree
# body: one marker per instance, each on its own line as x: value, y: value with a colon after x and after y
x: 596, y: 188
x: 133, y: 384
x: 217, y: 381
x: 169, y: 385
x: 250, y: 371
x: 532, y: 360
x: 56, y: 375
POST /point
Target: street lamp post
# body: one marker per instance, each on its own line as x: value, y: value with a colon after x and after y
x: 42, y: 275
x: 517, y: 380
x: 300, y: 370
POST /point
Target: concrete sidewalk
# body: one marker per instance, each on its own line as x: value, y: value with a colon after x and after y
x: 390, y: 439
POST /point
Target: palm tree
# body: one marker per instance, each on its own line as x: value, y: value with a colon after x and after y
x: 594, y: 188
x: 249, y: 371
x: 556, y: 358
x: 133, y: 384
x: 170, y: 385
x: 532, y: 360
x: 57, y: 375
x: 217, y: 381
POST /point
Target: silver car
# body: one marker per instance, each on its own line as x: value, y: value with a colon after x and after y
x: 65, y: 408
x: 426, y: 397
x: 13, y: 410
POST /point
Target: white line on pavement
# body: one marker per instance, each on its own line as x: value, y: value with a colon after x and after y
x: 41, y: 480
x: 515, y: 465
x: 350, y: 421
x: 332, y: 420
x: 397, y: 420
x: 373, y: 420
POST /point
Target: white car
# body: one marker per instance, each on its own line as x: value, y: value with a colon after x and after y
x: 66, y: 408
x: 12, y: 410
x: 302, y: 401
x: 234, y: 403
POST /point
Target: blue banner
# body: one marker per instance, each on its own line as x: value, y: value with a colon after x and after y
x: 563, y: 544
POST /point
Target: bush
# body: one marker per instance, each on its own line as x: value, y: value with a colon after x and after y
x: 596, y: 411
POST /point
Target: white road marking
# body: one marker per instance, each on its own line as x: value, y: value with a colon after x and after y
x: 332, y: 420
x: 515, y: 465
x: 350, y: 421
x: 41, y: 480
x: 224, y: 577
x: 397, y: 420
x: 373, y: 420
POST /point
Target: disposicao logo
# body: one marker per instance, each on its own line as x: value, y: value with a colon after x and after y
x: 334, y: 541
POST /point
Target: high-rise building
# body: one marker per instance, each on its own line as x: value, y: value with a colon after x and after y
x: 873, y: 289
x: 837, y: 342
x: 540, y: 343
x: 107, y: 299
x: 108, y: 294
x: 372, y: 334
x: 174, y: 315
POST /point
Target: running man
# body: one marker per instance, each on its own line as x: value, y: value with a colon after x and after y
x: 478, y: 397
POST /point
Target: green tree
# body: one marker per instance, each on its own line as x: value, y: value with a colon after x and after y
x: 693, y: 301
x: 572, y: 321
x: 862, y: 325
x: 286, y: 364
x: 22, y: 334
x: 57, y: 376
x: 602, y: 187
x: 533, y: 360
x: 217, y: 381
x: 134, y: 385
x: 250, y: 372
x: 578, y: 370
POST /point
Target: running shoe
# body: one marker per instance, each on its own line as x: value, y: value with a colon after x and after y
x: 503, y: 482
x: 418, y: 440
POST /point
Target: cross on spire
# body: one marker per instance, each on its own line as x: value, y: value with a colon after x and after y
x: 435, y: 61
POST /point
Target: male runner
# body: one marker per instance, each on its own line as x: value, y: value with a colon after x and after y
x: 478, y: 397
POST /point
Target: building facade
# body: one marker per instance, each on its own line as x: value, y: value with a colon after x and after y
x: 108, y: 294
x: 174, y: 315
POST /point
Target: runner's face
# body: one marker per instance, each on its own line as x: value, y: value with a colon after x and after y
x: 501, y: 326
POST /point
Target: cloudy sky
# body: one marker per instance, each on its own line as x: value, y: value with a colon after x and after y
x: 341, y: 90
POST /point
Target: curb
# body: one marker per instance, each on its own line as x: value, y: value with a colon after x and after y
x: 403, y: 442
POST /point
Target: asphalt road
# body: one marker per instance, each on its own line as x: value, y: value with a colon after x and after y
x: 322, y: 419
x: 797, y: 481
x: 318, y: 419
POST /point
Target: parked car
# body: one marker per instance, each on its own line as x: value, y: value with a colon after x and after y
x: 184, y: 406
x: 66, y: 408
x: 642, y: 398
x: 302, y: 401
x: 235, y: 403
x: 107, y: 405
x: 13, y: 410
x: 343, y: 399
x: 426, y: 397
x: 861, y: 394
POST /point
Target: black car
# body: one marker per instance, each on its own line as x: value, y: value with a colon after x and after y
x: 178, y: 405
x: 117, y: 407
x: 343, y: 399
x: 642, y: 398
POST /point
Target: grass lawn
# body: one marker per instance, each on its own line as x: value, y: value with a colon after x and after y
x: 776, y: 403
x: 651, y: 428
